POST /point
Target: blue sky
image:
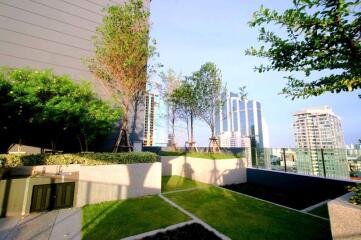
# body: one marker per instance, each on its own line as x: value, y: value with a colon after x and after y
x: 190, y: 33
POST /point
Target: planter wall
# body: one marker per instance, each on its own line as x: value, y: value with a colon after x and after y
x: 218, y: 172
x: 345, y: 218
x: 93, y: 184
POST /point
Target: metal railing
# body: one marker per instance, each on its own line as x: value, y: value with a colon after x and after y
x: 332, y: 163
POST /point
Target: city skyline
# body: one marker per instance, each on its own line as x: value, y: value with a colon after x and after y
x: 190, y: 33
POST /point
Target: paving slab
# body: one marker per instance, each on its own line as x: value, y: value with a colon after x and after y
x: 7, y: 225
x: 34, y: 226
x: 67, y: 225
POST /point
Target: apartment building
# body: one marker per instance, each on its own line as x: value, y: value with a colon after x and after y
x: 319, y: 139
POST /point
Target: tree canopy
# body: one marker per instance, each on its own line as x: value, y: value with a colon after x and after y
x: 43, y: 109
x: 317, y: 35
x: 123, y: 49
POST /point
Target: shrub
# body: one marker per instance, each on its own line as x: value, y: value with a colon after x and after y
x: 15, y: 160
x: 356, y: 199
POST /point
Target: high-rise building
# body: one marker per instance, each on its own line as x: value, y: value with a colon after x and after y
x: 319, y: 139
x: 57, y: 35
x: 154, y: 121
x: 239, y: 123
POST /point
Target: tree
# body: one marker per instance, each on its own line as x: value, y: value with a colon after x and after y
x: 46, y: 110
x: 319, y: 35
x: 242, y: 92
x: 185, y: 100
x: 211, y: 95
x: 171, y: 81
x: 122, y: 50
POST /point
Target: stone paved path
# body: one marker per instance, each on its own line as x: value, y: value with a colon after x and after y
x: 54, y: 225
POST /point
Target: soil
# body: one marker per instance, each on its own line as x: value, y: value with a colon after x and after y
x: 188, y: 232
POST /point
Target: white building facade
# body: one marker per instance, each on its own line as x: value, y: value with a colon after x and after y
x: 319, y: 139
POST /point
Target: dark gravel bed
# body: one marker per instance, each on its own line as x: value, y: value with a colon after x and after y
x: 187, y: 232
x: 295, y: 199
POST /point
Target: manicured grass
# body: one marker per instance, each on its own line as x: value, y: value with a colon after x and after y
x: 242, y: 217
x: 118, y: 219
x: 173, y: 183
x: 200, y: 155
x: 321, y: 211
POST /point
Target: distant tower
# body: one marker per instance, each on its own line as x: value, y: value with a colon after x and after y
x: 239, y: 123
x: 150, y: 102
x: 315, y: 129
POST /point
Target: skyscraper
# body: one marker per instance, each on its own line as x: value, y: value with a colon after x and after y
x: 316, y: 129
x: 154, y: 121
x: 239, y: 123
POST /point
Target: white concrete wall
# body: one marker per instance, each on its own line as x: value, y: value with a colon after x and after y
x: 104, y: 182
x: 112, y: 182
x: 218, y: 172
x: 345, y: 218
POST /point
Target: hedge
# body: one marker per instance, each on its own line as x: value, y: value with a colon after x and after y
x: 15, y: 160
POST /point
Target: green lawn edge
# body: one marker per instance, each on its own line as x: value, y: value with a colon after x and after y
x: 124, y: 218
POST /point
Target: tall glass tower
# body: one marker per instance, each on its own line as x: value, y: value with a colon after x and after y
x: 239, y: 123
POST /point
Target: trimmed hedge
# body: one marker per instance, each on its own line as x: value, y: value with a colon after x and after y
x: 15, y: 160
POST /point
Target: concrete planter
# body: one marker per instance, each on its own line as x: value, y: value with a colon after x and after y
x: 345, y: 218
x: 93, y: 184
x: 218, y: 172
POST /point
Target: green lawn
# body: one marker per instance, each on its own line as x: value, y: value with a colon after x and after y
x: 321, y: 211
x: 173, y: 183
x: 242, y: 217
x: 200, y: 155
x: 118, y: 219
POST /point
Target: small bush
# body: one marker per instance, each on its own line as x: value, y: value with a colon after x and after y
x: 15, y: 160
x: 356, y: 199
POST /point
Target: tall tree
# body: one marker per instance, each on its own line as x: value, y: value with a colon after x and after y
x: 171, y: 81
x: 185, y: 99
x: 211, y: 95
x: 318, y: 35
x: 122, y: 50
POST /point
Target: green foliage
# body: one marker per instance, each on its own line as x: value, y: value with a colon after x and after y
x: 210, y: 93
x: 122, y: 50
x: 356, y: 199
x: 16, y: 160
x: 47, y: 109
x: 317, y: 35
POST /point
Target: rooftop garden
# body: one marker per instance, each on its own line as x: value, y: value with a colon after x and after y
x: 234, y: 215
x: 243, y: 217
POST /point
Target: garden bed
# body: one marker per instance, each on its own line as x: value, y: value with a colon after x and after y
x: 241, y: 217
x: 295, y: 199
x: 190, y: 231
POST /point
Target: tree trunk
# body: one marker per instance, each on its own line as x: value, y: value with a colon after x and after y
x: 173, y: 143
x: 122, y: 143
x: 192, y: 143
x: 80, y: 144
x: 213, y: 142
